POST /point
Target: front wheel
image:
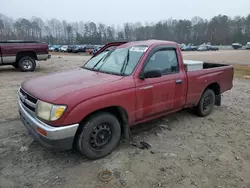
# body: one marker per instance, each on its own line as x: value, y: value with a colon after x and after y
x: 98, y: 136
x: 206, y: 103
x: 27, y: 64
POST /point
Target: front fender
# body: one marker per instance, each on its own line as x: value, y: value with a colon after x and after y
x: 123, y: 99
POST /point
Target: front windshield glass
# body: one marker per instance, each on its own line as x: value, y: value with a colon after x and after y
x: 121, y: 61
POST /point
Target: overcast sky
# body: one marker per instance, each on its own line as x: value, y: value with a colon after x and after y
x: 120, y: 11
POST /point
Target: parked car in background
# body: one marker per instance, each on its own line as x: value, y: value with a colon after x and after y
x: 92, y: 107
x: 64, y: 48
x: 57, y: 48
x: 70, y: 48
x: 96, y: 50
x: 194, y: 48
x: 106, y: 49
x: 186, y: 48
x: 90, y: 48
x: 236, y: 46
x: 182, y: 46
x: 52, y: 48
x: 215, y: 48
x: 202, y: 48
x: 77, y: 49
x: 248, y: 45
x: 23, y: 54
x: 83, y: 48
x: 189, y: 47
x: 212, y: 48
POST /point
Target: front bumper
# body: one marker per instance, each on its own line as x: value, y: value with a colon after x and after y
x: 59, y: 138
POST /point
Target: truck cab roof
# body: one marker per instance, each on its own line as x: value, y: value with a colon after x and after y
x: 149, y: 43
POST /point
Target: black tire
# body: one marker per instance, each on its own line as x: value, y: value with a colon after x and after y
x: 206, y: 103
x: 90, y: 133
x: 27, y: 64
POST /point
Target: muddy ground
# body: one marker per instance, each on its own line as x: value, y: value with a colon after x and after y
x: 187, y: 151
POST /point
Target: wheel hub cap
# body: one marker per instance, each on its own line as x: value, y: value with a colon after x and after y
x: 206, y: 103
x: 27, y: 64
x: 100, y: 137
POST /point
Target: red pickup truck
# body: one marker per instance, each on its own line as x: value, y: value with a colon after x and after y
x: 91, y: 107
x: 23, y: 54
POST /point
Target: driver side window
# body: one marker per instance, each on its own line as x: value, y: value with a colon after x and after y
x: 164, y: 60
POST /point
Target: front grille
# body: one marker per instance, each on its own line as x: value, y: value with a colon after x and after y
x: 29, y: 97
x: 29, y: 107
x: 27, y: 100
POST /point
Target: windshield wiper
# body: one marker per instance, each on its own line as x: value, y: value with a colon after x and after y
x: 103, y: 58
x: 125, y: 63
x: 97, y: 63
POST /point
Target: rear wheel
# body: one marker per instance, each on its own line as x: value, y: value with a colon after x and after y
x: 206, y: 103
x: 27, y: 64
x: 98, y: 136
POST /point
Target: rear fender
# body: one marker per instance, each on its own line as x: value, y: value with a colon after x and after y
x: 217, y: 95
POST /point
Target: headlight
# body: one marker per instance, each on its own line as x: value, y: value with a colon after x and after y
x: 49, y: 111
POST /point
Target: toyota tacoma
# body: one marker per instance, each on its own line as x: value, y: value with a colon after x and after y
x: 91, y: 107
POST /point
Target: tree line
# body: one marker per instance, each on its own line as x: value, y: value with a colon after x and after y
x: 220, y: 29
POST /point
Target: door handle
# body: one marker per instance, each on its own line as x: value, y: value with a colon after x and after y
x: 146, y: 87
x: 178, y: 81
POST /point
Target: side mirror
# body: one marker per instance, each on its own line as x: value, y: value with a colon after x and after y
x: 153, y: 74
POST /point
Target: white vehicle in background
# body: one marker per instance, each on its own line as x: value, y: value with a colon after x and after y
x: 236, y: 46
x: 248, y: 46
x: 64, y: 48
x: 52, y: 48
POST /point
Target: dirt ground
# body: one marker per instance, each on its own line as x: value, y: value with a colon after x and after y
x: 223, y: 56
x: 187, y: 151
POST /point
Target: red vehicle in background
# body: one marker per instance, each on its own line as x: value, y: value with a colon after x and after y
x: 91, y: 107
x: 23, y: 54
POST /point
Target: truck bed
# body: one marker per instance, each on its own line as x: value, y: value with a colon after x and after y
x: 219, y: 74
x: 213, y: 65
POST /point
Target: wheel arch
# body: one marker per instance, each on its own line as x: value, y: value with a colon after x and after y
x: 22, y: 54
x: 119, y: 112
x: 215, y: 87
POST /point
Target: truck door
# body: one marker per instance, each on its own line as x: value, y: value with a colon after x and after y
x: 163, y: 94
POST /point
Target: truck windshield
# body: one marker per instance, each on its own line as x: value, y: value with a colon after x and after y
x: 121, y: 61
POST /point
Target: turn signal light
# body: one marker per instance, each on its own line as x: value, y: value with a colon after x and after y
x: 41, y: 131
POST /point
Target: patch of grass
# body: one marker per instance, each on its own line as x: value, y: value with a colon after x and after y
x: 242, y: 71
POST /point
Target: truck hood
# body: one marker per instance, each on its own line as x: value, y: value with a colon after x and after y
x: 51, y: 87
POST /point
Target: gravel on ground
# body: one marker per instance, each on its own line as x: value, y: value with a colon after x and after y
x: 187, y: 151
